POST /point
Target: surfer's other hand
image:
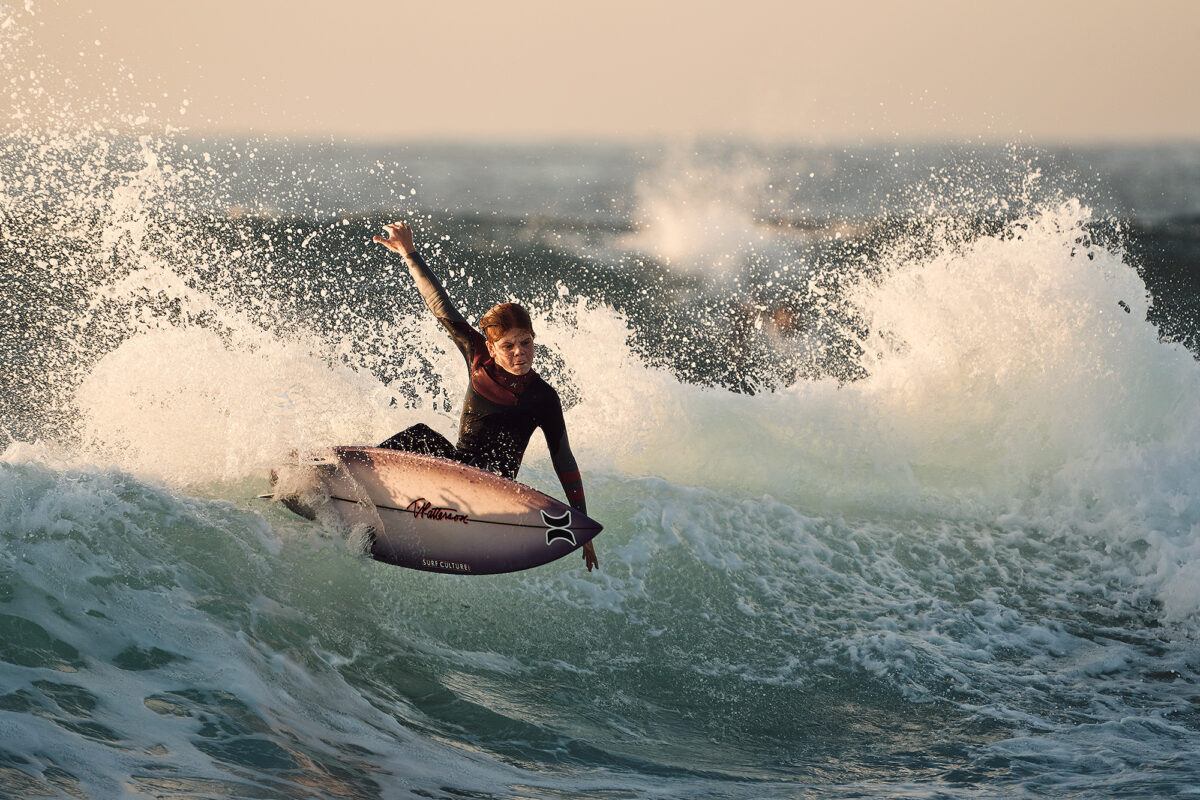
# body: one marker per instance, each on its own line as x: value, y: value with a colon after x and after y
x: 399, y: 238
x: 589, y: 557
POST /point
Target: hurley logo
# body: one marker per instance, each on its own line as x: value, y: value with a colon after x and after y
x: 558, y: 528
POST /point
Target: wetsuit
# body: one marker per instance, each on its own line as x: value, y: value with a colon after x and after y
x: 500, y: 411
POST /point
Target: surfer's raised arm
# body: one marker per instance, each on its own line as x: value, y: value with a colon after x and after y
x: 400, y: 240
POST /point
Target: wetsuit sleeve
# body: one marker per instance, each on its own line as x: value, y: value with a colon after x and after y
x: 561, y: 456
x: 436, y: 299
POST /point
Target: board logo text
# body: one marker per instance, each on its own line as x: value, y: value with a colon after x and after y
x: 434, y: 563
x: 423, y: 509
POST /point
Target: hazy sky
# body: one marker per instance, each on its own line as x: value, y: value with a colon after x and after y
x: 811, y: 72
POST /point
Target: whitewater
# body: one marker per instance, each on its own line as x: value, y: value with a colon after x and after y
x: 897, y: 467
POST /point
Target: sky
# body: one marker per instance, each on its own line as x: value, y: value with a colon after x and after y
x: 1043, y: 72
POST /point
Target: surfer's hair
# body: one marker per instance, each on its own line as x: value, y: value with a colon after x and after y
x: 503, y: 318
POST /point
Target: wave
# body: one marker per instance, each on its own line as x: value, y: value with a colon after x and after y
x: 1003, y: 373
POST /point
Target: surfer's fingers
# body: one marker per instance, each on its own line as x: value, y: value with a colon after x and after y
x: 390, y: 244
x: 395, y: 230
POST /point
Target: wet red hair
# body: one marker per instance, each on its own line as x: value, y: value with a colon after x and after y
x: 503, y: 318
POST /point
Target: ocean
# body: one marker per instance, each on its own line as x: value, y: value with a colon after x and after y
x: 896, y: 447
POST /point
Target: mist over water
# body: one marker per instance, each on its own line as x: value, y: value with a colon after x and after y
x: 896, y: 450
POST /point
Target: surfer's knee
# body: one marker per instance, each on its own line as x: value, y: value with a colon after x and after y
x: 407, y: 438
x: 421, y: 438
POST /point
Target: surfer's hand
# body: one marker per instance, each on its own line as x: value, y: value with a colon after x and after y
x: 399, y: 238
x: 589, y: 557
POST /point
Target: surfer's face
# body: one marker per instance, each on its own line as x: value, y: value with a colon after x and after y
x: 513, y: 351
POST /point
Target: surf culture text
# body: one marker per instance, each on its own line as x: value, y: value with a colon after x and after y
x: 423, y: 509
x: 433, y: 563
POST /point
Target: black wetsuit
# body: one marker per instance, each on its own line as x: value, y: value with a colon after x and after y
x: 500, y: 411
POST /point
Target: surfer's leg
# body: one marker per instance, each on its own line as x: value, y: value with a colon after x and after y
x: 421, y: 438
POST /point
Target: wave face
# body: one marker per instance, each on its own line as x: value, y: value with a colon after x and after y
x: 896, y: 453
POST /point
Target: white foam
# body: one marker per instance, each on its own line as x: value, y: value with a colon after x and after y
x: 181, y: 405
x: 704, y: 216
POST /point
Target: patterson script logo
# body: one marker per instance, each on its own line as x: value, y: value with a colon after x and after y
x: 558, y: 528
x: 422, y: 508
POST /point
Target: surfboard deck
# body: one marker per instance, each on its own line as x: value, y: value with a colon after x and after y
x: 432, y: 514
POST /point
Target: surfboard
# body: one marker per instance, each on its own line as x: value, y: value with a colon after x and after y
x: 433, y: 514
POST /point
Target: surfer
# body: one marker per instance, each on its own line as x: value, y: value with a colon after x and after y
x: 506, y: 400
